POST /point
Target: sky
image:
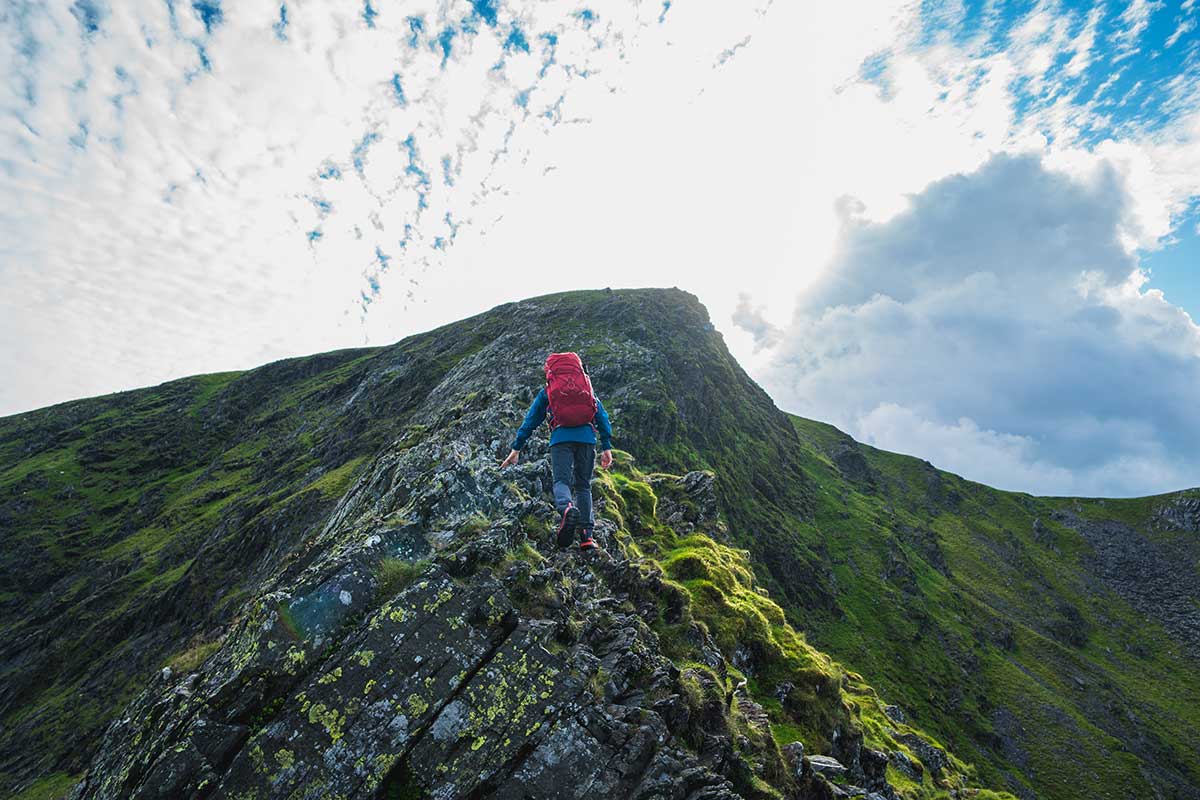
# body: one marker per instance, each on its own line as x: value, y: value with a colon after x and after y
x: 966, y: 231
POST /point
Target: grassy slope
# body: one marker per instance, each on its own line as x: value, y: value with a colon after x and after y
x: 980, y: 650
x: 133, y: 525
x: 1010, y: 652
x: 106, y: 505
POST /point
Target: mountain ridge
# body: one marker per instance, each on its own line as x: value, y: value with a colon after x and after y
x: 281, y: 445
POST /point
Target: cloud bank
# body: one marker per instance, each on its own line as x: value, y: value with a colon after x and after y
x: 998, y: 327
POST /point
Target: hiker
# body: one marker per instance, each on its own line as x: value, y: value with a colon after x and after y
x: 576, y: 416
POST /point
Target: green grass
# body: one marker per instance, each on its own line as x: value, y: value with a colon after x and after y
x: 396, y: 574
x: 116, y: 496
x: 476, y: 523
x: 932, y: 587
x: 51, y: 787
x: 524, y: 552
x: 190, y: 659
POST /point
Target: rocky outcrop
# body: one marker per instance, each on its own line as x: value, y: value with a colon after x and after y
x: 502, y: 668
x: 447, y: 686
x: 1161, y: 579
x: 1180, y: 512
x: 851, y: 463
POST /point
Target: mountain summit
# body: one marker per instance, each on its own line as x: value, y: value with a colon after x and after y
x: 311, y: 579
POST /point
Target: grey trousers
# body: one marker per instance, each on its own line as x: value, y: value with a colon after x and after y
x: 572, y: 464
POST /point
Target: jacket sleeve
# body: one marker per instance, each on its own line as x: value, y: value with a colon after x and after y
x: 603, y: 426
x: 533, y: 417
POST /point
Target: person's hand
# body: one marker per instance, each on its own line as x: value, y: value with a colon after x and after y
x: 513, y: 455
x: 605, y: 459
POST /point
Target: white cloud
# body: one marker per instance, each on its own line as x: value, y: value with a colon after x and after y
x: 998, y: 328
x: 1134, y: 20
x: 1184, y: 27
x: 1082, y: 46
x: 751, y: 319
x: 991, y: 457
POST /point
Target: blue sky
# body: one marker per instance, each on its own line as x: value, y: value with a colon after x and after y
x: 1133, y: 81
x: 1141, y: 47
x: 202, y: 186
x: 1174, y: 268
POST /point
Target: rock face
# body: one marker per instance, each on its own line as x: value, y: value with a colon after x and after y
x: 488, y: 674
x: 446, y: 687
x: 826, y: 765
x: 1179, y: 513
x: 851, y: 463
x: 137, y: 526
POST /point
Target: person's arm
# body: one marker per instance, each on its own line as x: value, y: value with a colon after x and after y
x: 604, y: 429
x: 533, y: 417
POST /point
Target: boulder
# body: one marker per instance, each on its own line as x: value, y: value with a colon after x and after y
x: 827, y: 765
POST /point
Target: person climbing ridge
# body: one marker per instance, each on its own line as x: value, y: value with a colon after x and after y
x: 576, y: 417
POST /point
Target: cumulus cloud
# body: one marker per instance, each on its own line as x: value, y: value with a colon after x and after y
x: 999, y: 327
x: 751, y: 319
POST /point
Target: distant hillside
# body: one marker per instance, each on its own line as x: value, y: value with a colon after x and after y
x: 1053, y: 641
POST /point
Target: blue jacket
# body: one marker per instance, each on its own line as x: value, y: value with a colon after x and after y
x: 578, y: 433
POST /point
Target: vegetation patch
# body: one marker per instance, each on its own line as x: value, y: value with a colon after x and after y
x: 51, y: 787
x: 395, y: 574
x: 189, y: 660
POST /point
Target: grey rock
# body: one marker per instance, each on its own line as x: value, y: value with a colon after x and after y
x: 1179, y: 513
x: 491, y: 669
x: 850, y: 461
x: 1043, y: 535
x: 907, y: 765
x: 794, y: 754
x: 827, y: 765
x: 873, y: 765
x: 326, y: 688
x: 934, y: 758
x: 1159, y: 578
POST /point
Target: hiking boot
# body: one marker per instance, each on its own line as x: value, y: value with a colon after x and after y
x: 586, y: 542
x: 566, y: 525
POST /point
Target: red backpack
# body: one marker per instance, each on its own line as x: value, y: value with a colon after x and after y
x: 569, y: 390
